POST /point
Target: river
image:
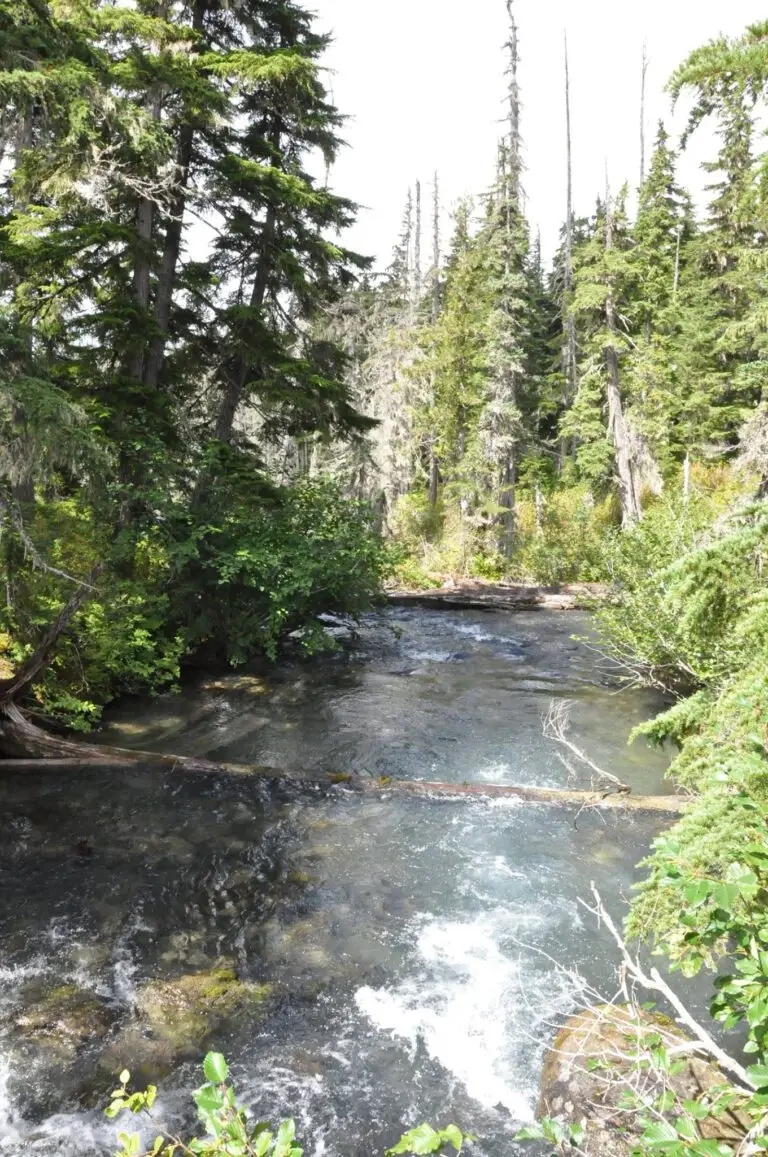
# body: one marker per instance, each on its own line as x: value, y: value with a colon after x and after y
x: 397, y: 955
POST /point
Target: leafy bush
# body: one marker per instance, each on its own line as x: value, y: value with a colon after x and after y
x: 267, y: 566
x: 571, y: 543
x: 237, y: 580
x: 122, y: 640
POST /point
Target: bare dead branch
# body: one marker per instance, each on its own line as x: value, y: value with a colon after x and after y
x: 556, y: 725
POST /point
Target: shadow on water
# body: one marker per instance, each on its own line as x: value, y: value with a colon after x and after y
x: 365, y: 962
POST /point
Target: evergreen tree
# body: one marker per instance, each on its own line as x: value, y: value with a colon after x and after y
x: 658, y: 366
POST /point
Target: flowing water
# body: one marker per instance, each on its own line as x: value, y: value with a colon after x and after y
x: 407, y: 947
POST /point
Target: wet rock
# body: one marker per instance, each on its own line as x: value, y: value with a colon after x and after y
x: 183, y: 1012
x: 64, y: 1019
x: 575, y: 1091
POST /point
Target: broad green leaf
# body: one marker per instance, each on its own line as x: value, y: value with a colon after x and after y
x: 758, y: 1074
x: 697, y: 893
x: 660, y: 1133
x: 215, y: 1068
x: 422, y: 1139
x: 453, y: 1135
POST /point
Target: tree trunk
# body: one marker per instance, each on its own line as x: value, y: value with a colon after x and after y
x: 511, y: 195
x: 570, y: 348
x: 642, y: 114
x: 235, y: 386
x: 434, y: 465
x: 434, y: 476
x: 417, y: 249
x: 435, y: 304
x: 23, y: 742
x: 113, y: 759
x: 631, y: 511
x: 173, y: 236
x: 19, y: 684
x: 142, y: 264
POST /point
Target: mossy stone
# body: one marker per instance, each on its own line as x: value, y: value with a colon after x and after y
x: 184, y: 1011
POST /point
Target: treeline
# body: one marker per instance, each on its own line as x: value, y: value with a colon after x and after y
x: 164, y: 248
x: 518, y: 402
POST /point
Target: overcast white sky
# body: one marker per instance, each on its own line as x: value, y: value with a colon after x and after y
x: 423, y: 84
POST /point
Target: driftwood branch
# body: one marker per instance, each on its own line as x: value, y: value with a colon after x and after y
x: 556, y: 726
x: 27, y: 748
x: 654, y: 982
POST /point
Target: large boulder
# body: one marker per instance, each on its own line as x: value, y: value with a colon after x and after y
x: 589, y: 1070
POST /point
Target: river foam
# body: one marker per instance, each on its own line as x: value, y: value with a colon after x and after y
x: 470, y: 1004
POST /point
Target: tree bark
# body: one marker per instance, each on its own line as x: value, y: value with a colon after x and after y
x: 511, y: 195
x: 114, y: 759
x: 642, y: 113
x: 417, y: 248
x: 236, y: 383
x: 434, y: 464
x: 173, y: 237
x: 142, y: 264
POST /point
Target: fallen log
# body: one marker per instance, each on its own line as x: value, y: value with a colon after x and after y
x: 615, y: 801
x: 501, y: 597
x: 23, y: 743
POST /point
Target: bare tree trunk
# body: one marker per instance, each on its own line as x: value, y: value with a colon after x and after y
x: 642, y: 112
x: 687, y: 479
x: 570, y: 350
x: 617, y: 427
x: 417, y: 248
x: 435, y: 305
x: 515, y: 161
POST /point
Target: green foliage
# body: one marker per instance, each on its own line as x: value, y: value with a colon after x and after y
x: 425, y: 1139
x: 268, y: 567
x: 570, y: 542
x: 229, y: 1131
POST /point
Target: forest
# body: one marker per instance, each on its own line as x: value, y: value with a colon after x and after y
x: 218, y: 424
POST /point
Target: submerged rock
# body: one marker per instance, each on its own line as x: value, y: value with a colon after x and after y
x: 577, y: 1091
x: 64, y: 1019
x: 175, y: 1019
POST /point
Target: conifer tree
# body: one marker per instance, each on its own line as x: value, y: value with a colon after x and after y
x: 657, y: 365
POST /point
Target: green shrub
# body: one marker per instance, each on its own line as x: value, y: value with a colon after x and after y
x: 229, y: 1132
x: 267, y: 566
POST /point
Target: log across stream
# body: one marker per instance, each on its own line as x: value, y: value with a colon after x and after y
x: 373, y: 922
